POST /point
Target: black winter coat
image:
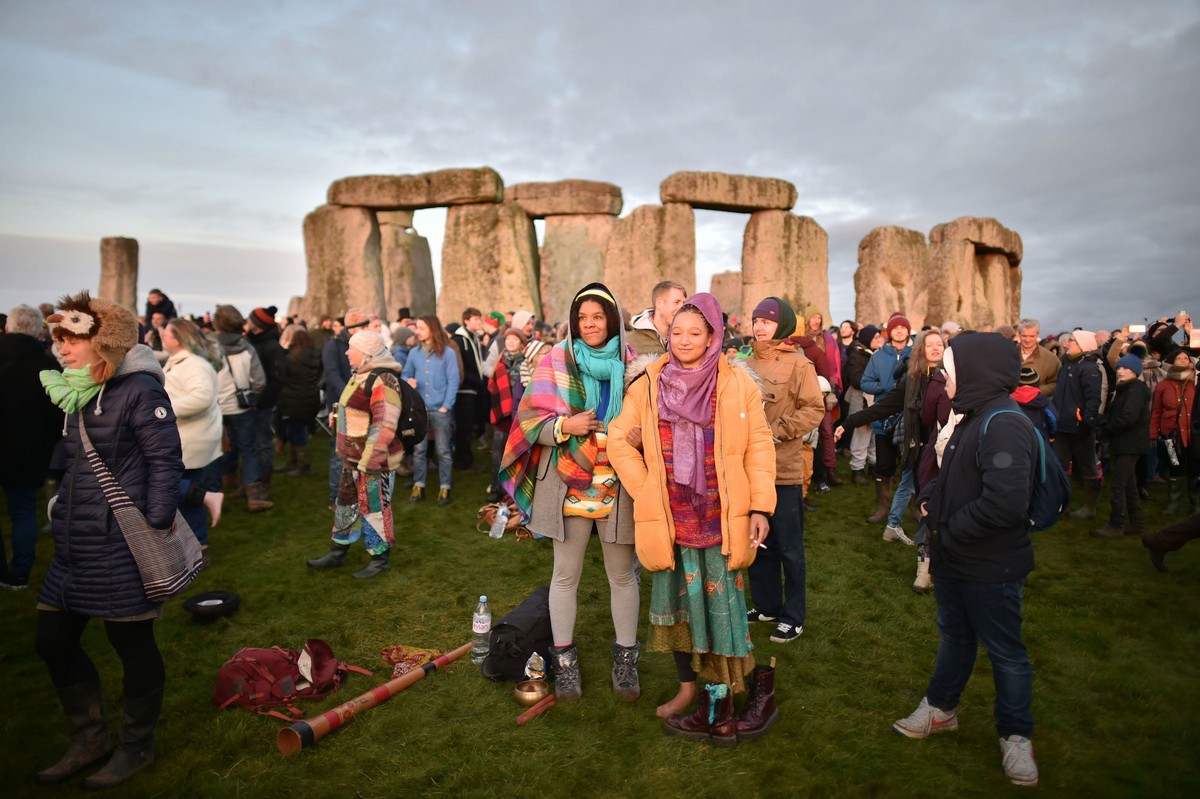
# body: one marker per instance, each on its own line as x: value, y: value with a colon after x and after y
x: 272, y: 357
x: 30, y: 425
x: 857, y: 357
x: 300, y: 395
x: 1126, y: 422
x: 978, y: 504
x: 1079, y: 388
x: 132, y: 427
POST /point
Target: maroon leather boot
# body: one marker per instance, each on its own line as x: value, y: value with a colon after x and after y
x: 759, y: 713
x: 712, y: 721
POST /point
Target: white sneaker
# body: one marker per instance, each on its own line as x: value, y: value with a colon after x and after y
x: 896, y: 534
x: 1017, y: 757
x: 926, y: 720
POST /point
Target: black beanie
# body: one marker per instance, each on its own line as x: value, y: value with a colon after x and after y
x: 867, y: 335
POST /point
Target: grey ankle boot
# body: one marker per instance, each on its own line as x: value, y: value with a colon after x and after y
x: 377, y: 565
x: 336, y: 556
x: 624, y: 672
x: 90, y: 741
x: 135, y: 750
x: 567, y: 685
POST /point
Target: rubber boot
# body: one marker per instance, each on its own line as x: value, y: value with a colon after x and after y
x: 1174, y: 494
x: 568, y: 686
x: 290, y: 463
x: 624, y: 672
x: 135, y: 750
x: 1091, y: 495
x: 858, y: 477
x: 257, y: 497
x: 336, y: 556
x: 923, y: 581
x: 89, y: 739
x: 883, y: 500
x: 831, y: 477
x: 303, y: 465
x: 711, y: 722
x: 760, y: 712
x: 377, y: 565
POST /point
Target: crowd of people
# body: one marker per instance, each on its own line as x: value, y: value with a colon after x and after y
x: 690, y: 448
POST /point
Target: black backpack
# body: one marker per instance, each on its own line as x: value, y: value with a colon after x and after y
x: 525, y: 630
x: 414, y: 418
x: 1051, y: 486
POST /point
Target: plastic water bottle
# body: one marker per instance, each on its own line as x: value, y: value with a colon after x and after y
x: 481, y: 627
x: 501, y: 522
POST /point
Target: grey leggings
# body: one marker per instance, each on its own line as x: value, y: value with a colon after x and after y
x: 564, y: 587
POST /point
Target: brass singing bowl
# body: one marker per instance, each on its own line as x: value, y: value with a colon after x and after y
x: 530, y: 692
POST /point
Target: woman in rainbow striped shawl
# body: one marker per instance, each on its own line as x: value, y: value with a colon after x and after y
x: 556, y: 468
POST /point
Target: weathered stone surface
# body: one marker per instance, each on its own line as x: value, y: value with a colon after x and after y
x: 341, y: 246
x: 718, y: 191
x: 565, y: 197
x: 119, y: 271
x: 784, y: 255
x: 727, y: 288
x: 426, y: 190
x: 489, y: 260
x: 939, y: 294
x: 987, y: 234
x: 407, y: 265
x: 572, y: 256
x: 653, y: 243
x: 295, y: 306
x: 890, y: 259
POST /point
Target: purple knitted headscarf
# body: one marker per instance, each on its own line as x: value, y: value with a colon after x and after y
x: 685, y: 400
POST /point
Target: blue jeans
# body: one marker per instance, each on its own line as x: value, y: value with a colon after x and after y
x: 969, y: 614
x: 784, y: 550
x: 22, y: 512
x: 295, y: 432
x: 439, y: 424
x: 243, y: 440
x: 191, y: 486
x: 901, y: 498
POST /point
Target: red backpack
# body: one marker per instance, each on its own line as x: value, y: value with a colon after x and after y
x: 260, y: 679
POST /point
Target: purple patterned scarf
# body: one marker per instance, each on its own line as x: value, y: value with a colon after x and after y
x: 685, y: 400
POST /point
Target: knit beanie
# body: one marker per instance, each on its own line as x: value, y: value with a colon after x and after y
x: 867, y: 335
x: 368, y: 342
x: 264, y: 317
x: 1085, y: 339
x: 356, y: 318
x: 521, y: 318
x: 1132, y: 363
x: 1139, y: 349
x: 897, y: 320
x: 1029, y: 377
x: 110, y: 328
x: 512, y: 331
x: 497, y: 318
x: 779, y: 311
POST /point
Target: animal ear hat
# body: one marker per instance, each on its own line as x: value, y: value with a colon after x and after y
x: 111, y: 329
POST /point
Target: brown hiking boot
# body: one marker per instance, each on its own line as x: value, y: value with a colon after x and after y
x: 257, y: 498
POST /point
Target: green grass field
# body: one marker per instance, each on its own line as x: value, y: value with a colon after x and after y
x: 1114, y: 644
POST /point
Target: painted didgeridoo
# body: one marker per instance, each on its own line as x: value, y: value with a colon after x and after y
x: 303, y: 734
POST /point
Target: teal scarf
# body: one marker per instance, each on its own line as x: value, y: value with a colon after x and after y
x: 70, y: 389
x: 596, y: 365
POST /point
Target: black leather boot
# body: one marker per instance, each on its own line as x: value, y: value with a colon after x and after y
x: 136, y: 748
x: 336, y: 556
x: 84, y: 706
x: 377, y: 565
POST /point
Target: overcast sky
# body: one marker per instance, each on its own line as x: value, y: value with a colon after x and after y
x: 207, y: 131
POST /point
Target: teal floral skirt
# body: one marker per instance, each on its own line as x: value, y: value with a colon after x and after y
x: 700, y: 607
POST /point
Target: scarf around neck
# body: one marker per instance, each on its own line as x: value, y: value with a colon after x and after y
x: 599, y: 365
x: 685, y: 400
x: 70, y: 389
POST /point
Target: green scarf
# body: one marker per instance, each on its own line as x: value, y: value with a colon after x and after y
x: 70, y: 389
x: 596, y: 365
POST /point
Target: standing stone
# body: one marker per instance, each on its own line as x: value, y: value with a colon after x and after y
x: 407, y: 265
x: 890, y: 259
x: 945, y: 292
x: 489, y: 260
x: 295, y: 306
x: 426, y: 190
x: 119, y: 271
x: 653, y: 243
x: 342, y: 248
x: 784, y: 255
x: 717, y: 191
x: 974, y: 277
x: 572, y: 256
x: 727, y: 288
x: 566, y: 198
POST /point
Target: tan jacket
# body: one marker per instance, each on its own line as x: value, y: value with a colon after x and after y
x: 792, y: 401
x: 1046, y: 364
x: 745, y: 461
